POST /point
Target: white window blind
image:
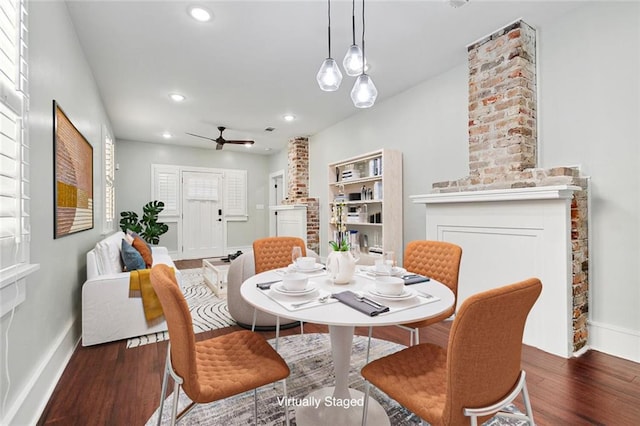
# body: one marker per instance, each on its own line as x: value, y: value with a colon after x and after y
x: 202, y: 188
x: 235, y: 193
x: 109, y: 182
x: 165, y: 187
x: 14, y: 147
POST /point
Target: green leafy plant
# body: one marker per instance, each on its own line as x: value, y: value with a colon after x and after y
x: 148, y: 227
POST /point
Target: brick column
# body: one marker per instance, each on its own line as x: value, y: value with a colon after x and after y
x: 298, y: 188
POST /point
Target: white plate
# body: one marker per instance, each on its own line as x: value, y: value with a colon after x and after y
x: 317, y: 267
x: 279, y: 288
x: 406, y: 294
x: 395, y: 271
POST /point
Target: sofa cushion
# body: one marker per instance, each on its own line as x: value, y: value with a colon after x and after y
x: 108, y: 254
x: 131, y: 257
x: 144, y: 250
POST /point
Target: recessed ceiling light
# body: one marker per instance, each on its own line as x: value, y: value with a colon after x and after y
x: 199, y: 13
x: 177, y: 97
x: 267, y: 149
x: 289, y: 117
x: 248, y: 145
x: 167, y: 135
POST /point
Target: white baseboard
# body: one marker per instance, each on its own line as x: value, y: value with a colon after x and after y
x: 31, y: 402
x: 613, y: 340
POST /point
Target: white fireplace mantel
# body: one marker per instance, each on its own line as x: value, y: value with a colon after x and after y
x: 508, y: 235
x: 510, y: 194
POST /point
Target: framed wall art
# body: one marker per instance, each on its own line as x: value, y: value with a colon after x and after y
x: 73, y: 169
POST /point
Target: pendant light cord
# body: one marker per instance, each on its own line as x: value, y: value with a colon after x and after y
x: 329, y: 26
x: 363, y: 56
x: 353, y: 21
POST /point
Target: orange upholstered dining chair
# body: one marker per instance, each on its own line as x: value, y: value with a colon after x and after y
x: 480, y: 371
x: 212, y: 369
x: 438, y: 260
x: 275, y: 252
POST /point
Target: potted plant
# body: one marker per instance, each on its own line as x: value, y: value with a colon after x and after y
x: 341, y: 265
x: 148, y: 226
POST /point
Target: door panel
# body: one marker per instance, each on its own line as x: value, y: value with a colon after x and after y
x: 202, y: 226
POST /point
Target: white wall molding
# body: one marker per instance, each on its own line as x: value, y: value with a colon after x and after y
x: 618, y: 341
x: 32, y: 400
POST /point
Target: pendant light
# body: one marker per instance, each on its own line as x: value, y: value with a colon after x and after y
x: 364, y: 92
x: 329, y: 77
x: 352, y: 62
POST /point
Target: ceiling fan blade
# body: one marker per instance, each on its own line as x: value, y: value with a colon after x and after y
x: 237, y: 142
x: 203, y: 137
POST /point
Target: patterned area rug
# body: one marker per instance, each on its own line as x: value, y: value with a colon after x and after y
x: 208, y: 311
x: 309, y: 358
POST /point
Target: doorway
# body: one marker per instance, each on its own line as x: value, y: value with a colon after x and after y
x: 202, y: 219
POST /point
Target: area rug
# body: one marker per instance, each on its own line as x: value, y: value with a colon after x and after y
x: 309, y: 358
x: 208, y: 311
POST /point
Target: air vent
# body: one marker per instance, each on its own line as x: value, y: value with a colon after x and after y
x: 269, y: 129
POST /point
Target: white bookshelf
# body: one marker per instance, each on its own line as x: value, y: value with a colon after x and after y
x: 370, y: 187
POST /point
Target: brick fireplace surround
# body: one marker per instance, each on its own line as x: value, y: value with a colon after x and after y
x: 298, y: 188
x: 503, y: 139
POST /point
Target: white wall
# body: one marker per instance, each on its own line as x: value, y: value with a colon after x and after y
x: 133, y: 181
x: 589, y: 116
x: 46, y: 327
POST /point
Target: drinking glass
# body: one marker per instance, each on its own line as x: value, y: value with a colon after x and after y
x: 355, y: 251
x: 389, y: 258
x: 296, y: 252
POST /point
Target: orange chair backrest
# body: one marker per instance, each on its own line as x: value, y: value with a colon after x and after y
x: 485, y: 348
x: 435, y: 259
x: 180, y: 324
x: 275, y: 252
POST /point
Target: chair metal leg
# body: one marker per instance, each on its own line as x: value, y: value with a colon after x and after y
x: 365, y: 405
x: 255, y: 406
x: 417, y: 333
x: 277, y: 332
x: 255, y: 318
x: 369, y: 345
x: 527, y: 403
x: 286, y: 407
x: 165, y: 380
x: 301, y: 327
x: 174, y: 408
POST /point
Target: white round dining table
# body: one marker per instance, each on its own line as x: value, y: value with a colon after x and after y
x: 340, y: 405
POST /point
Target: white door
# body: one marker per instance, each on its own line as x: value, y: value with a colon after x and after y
x: 202, y: 226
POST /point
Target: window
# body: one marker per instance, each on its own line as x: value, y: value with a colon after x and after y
x: 235, y: 194
x: 109, y: 182
x: 14, y: 150
x: 165, y: 187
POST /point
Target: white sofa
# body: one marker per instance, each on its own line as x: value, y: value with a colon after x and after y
x: 108, y: 313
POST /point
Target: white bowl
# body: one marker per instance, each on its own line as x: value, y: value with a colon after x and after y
x: 295, y: 282
x: 305, y: 263
x: 390, y: 286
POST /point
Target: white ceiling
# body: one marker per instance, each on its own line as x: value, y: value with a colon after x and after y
x: 257, y: 60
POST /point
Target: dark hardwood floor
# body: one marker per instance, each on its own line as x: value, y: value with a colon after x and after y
x: 109, y: 384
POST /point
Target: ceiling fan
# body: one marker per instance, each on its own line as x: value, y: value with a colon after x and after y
x: 220, y: 141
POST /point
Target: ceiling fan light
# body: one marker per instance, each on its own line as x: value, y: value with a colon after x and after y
x: 364, y: 92
x: 352, y: 62
x: 329, y: 77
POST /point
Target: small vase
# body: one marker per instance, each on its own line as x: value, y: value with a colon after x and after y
x: 341, y: 266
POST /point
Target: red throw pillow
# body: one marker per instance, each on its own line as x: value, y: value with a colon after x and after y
x: 144, y: 250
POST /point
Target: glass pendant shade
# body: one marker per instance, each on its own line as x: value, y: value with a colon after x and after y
x: 329, y: 77
x: 353, y: 61
x: 364, y: 92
